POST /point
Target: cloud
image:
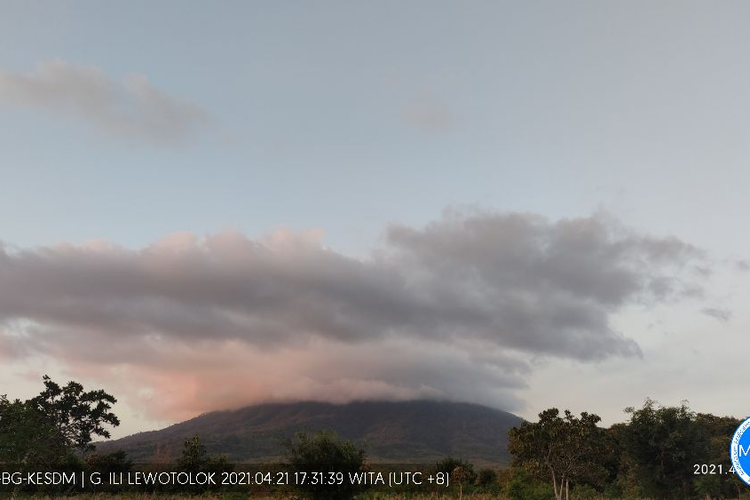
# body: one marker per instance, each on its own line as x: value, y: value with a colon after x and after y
x: 718, y: 313
x: 429, y: 114
x: 133, y: 109
x: 178, y: 381
x: 457, y: 309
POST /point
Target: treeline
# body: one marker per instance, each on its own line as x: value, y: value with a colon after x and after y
x: 659, y: 453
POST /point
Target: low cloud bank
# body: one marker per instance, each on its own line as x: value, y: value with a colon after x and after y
x: 456, y: 309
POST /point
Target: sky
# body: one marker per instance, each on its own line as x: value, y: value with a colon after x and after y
x: 520, y: 204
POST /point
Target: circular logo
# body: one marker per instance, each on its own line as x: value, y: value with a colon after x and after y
x: 739, y: 451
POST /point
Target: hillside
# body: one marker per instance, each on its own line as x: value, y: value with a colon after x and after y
x: 411, y: 432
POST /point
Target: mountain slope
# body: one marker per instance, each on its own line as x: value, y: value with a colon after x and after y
x: 410, y: 432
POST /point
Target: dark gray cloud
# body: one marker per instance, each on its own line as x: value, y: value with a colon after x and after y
x: 133, y: 109
x: 489, y: 291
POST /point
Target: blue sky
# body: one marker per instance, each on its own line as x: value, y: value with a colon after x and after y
x: 548, y: 108
x: 351, y: 116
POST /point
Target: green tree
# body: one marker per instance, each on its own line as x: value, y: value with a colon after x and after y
x: 719, y: 431
x: 660, y: 446
x: 26, y: 438
x: 322, y: 458
x: 486, y: 477
x: 194, y: 455
x: 522, y: 486
x: 116, y: 462
x: 53, y: 427
x: 449, y: 464
x: 75, y: 415
x: 106, y: 463
x: 563, y: 450
x: 195, y: 458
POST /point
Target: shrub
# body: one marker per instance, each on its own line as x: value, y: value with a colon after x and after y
x: 321, y: 458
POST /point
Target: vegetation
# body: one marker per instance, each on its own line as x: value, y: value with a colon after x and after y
x: 195, y: 458
x: 659, y: 453
x: 55, y: 427
x: 107, y: 463
x: 319, y: 455
x: 449, y: 464
x: 562, y: 449
x: 75, y: 415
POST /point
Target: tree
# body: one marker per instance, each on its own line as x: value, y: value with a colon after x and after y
x: 486, y: 477
x: 106, y: 463
x: 660, y: 445
x: 25, y: 436
x: 195, y: 458
x: 49, y: 429
x: 562, y: 449
x: 194, y: 455
x: 449, y: 464
x: 460, y: 476
x: 75, y: 414
x: 521, y: 486
x: 460, y: 472
x: 325, y: 462
x: 719, y: 431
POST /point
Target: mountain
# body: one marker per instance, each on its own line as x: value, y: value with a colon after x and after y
x: 394, y: 432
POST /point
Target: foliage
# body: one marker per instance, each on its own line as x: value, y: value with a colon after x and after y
x: 719, y: 431
x: 522, y: 486
x: 116, y: 461
x: 562, y: 450
x: 460, y: 476
x: 195, y: 458
x: 584, y: 492
x: 75, y: 414
x: 53, y: 427
x: 25, y: 436
x: 486, y: 477
x: 653, y: 455
x: 449, y: 464
x: 194, y: 455
x: 323, y: 453
x: 106, y: 464
x: 660, y: 446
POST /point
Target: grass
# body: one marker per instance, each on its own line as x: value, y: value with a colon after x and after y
x: 236, y: 496
x: 244, y: 496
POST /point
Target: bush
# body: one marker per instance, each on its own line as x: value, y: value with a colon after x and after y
x: 584, y: 492
x: 449, y: 464
x: 195, y: 458
x: 523, y: 487
x: 486, y: 477
x: 106, y: 463
x: 320, y: 457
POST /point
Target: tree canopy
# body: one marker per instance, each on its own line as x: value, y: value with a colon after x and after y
x: 562, y: 449
x: 661, y: 452
x: 324, y: 452
x: 51, y: 428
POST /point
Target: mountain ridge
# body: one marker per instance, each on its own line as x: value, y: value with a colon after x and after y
x: 417, y: 431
